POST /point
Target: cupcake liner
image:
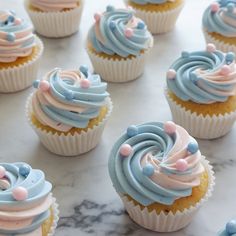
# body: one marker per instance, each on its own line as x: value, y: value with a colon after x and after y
x: 20, y: 77
x: 118, y: 71
x: 220, y: 45
x: 168, y: 222
x: 56, y: 24
x: 55, y: 217
x: 159, y: 22
x: 208, y: 127
x: 70, y: 145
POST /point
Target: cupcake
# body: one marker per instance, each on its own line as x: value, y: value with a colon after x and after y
x: 201, y: 91
x: 118, y: 44
x: 160, y: 175
x: 68, y: 111
x: 55, y: 19
x: 219, y: 25
x: 20, y: 53
x: 159, y: 15
x: 27, y: 206
x: 229, y: 230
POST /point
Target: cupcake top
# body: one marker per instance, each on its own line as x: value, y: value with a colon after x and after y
x: 220, y: 17
x: 52, y: 5
x: 118, y: 31
x: 229, y: 230
x: 155, y: 162
x: 25, y: 198
x: 203, y: 77
x: 67, y: 99
x: 144, y: 2
x: 16, y: 37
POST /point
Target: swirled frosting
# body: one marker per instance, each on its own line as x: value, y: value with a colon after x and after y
x: 67, y: 99
x: 52, y: 5
x: 16, y: 38
x: 220, y: 17
x: 203, y: 77
x: 154, y: 162
x: 25, y: 215
x: 144, y: 2
x: 118, y: 31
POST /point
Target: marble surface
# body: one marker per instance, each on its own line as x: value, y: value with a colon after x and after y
x: 88, y: 203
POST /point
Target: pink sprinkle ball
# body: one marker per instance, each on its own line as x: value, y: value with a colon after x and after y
x: 215, y: 7
x: 85, y: 83
x: 181, y: 165
x: 211, y: 47
x: 2, y: 172
x: 129, y: 32
x: 126, y: 150
x: 17, y: 21
x: 44, y: 85
x: 20, y: 193
x: 97, y: 17
x: 225, y: 70
x: 171, y: 74
x: 170, y: 127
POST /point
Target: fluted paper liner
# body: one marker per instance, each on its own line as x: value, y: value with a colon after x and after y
x: 159, y: 22
x: 55, y: 217
x: 56, y: 24
x: 208, y: 127
x: 118, y: 71
x: 69, y: 145
x: 20, y: 77
x: 168, y: 222
x: 220, y: 45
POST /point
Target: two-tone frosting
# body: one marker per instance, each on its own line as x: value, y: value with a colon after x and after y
x: 25, y: 199
x: 144, y: 2
x: 203, y: 77
x: 52, y: 5
x: 67, y: 99
x: 229, y: 230
x: 119, y: 32
x: 155, y: 162
x: 220, y: 17
x: 16, y: 38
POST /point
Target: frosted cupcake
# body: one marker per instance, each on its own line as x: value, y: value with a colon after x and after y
x: 160, y: 175
x: 27, y: 206
x: 68, y: 111
x: 201, y: 91
x: 20, y: 53
x: 159, y: 15
x: 55, y: 19
x: 229, y: 230
x: 219, y: 25
x: 118, y: 44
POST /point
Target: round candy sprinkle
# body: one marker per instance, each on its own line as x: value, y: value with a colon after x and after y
x: 132, y: 131
x: 20, y: 193
x: 140, y: 25
x: 85, y: 83
x: 126, y: 150
x: 170, y: 127
x: 194, y: 77
x: 192, y: 147
x: 44, y: 85
x: 230, y: 56
x: 129, y: 32
x: 36, y: 83
x: 185, y: 54
x: 211, y: 47
x: 17, y: 21
x: 230, y: 7
x: 148, y: 170
x: 11, y: 18
x: 69, y: 95
x: 24, y: 170
x: 171, y: 74
x: 231, y: 227
x: 11, y: 37
x: 84, y: 69
x: 215, y: 7
x: 112, y: 25
x: 110, y: 8
x: 225, y: 70
x: 181, y: 165
x: 97, y: 17
x: 2, y: 172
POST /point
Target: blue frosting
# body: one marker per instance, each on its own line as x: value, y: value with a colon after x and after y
x: 112, y: 26
x: 144, y: 2
x: 229, y: 230
x: 215, y: 22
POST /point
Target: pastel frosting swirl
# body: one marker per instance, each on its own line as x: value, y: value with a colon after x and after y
x: 118, y: 31
x: 67, y: 99
x: 220, y: 17
x: 52, y: 5
x: 155, y: 162
x: 229, y: 230
x: 203, y: 77
x: 25, y: 198
x: 144, y: 2
x: 16, y: 38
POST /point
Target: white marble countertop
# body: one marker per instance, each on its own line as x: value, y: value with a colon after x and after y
x: 88, y: 203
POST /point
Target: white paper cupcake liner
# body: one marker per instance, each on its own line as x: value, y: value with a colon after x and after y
x: 70, y: 145
x: 208, y: 127
x: 20, y: 77
x: 168, y: 222
x: 159, y: 22
x: 224, y: 47
x: 56, y: 24
x: 118, y: 71
x: 55, y: 217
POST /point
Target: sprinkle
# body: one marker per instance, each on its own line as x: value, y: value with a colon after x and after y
x: 20, y: 193
x: 192, y: 147
x: 171, y: 74
x: 181, y: 165
x: 140, y: 25
x: 85, y: 83
x: 129, y: 32
x: 97, y: 17
x: 148, y: 170
x: 185, y: 54
x: 69, y: 95
x: 112, y: 25
x: 84, y: 70
x: 170, y: 127
x: 132, y: 131
x: 110, y: 8
x: 2, y: 172
x: 24, y: 170
x: 215, y: 7
x: 11, y: 37
x: 44, y: 85
x: 230, y: 7
x: 125, y: 150
x: 231, y: 227
x: 211, y: 47
x: 225, y: 70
